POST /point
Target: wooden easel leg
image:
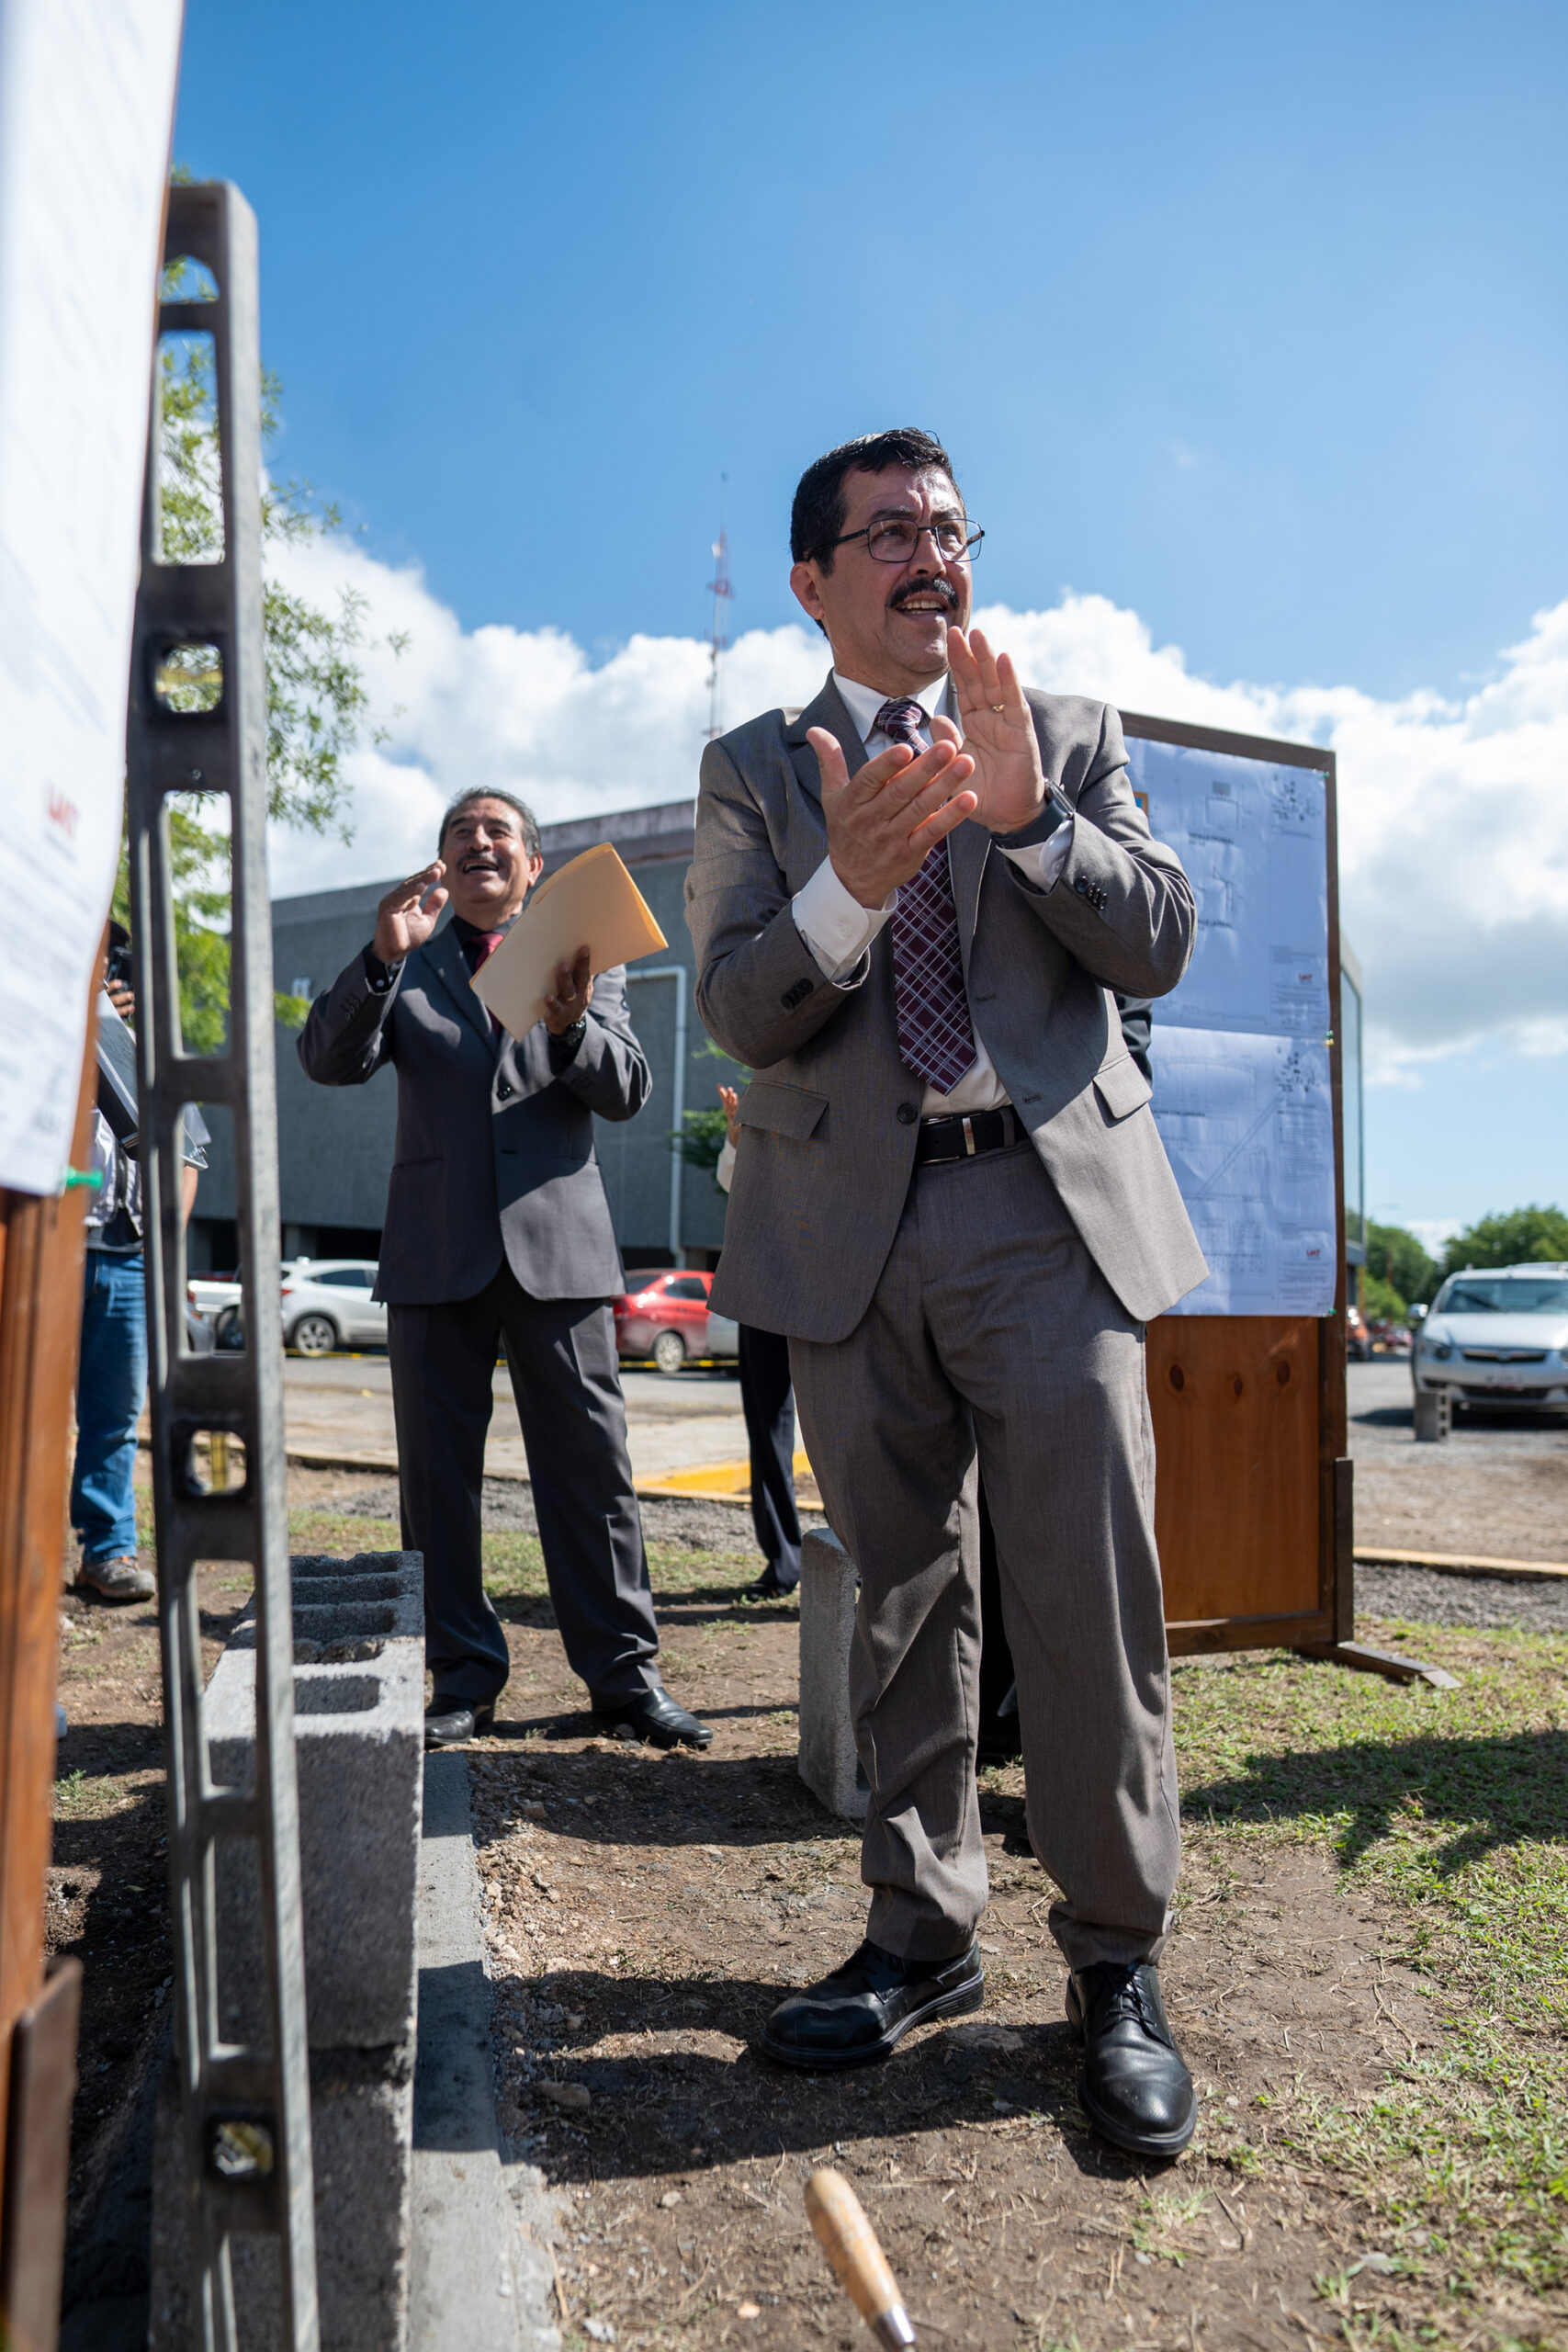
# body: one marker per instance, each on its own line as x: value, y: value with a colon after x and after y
x: 1385, y: 1662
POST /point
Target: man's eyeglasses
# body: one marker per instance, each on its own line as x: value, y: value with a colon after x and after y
x: 894, y: 538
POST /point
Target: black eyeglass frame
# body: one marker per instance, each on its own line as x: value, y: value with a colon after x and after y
x: 892, y: 522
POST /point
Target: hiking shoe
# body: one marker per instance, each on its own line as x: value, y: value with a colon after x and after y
x: 122, y: 1579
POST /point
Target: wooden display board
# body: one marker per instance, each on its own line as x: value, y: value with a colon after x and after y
x: 1253, y: 1495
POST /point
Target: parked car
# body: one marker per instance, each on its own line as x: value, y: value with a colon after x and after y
x: 1497, y: 1336
x: 327, y: 1305
x: 1358, y: 1340
x: 216, y: 1298
x: 666, y: 1315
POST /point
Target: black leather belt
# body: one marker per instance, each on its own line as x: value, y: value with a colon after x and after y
x: 961, y: 1136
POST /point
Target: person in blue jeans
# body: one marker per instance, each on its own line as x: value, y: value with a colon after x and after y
x: 112, y: 1379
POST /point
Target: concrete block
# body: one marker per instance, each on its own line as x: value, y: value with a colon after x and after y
x: 361, y: 2131
x: 359, y: 1742
x: 827, y: 1763
x: 1434, y: 1415
x: 359, y: 1748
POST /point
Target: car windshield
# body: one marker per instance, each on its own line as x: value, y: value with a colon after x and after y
x: 1503, y: 1295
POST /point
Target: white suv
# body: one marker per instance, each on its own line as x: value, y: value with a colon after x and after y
x: 1498, y: 1335
x: 327, y: 1305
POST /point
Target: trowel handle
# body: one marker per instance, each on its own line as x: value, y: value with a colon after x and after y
x: 858, y: 2264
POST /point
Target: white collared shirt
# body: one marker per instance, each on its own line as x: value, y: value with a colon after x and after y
x: 839, y: 930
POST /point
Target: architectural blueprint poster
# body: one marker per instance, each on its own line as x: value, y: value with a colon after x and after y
x: 1240, y: 1052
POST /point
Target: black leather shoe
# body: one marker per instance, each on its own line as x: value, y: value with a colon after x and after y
x: 860, y: 2013
x: 768, y: 1588
x: 1134, y: 2086
x: 655, y: 1717
x: 449, y: 1722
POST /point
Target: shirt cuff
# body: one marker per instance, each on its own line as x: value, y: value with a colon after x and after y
x: 724, y: 1173
x: 835, y: 926
x: 380, y: 975
x: 1040, y: 862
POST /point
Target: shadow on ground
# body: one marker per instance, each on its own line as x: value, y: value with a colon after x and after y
x: 1493, y: 1792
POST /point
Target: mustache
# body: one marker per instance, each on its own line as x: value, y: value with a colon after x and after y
x: 936, y: 586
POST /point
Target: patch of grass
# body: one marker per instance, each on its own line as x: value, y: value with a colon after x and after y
x: 1451, y: 1808
x: 341, y: 1533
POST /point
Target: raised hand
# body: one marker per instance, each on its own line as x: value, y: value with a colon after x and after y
x: 409, y: 913
x: 573, y: 995
x: 883, y: 823
x: 731, y: 1102
x: 999, y: 733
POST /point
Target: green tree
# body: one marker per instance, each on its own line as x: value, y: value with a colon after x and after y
x: 1511, y: 1237
x: 1381, y: 1303
x: 317, y: 709
x: 1397, y: 1262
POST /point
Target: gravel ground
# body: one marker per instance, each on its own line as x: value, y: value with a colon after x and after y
x: 1498, y: 1487
x: 1428, y: 1596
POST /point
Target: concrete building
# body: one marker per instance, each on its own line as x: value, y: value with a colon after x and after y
x: 335, y: 1143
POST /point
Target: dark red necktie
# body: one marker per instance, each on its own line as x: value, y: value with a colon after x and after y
x: 935, y: 1039
x: 482, y: 947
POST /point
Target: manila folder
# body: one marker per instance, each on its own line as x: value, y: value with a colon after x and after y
x: 591, y: 902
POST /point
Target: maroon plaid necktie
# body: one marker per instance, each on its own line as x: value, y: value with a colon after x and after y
x: 935, y: 1039
x: 479, y: 951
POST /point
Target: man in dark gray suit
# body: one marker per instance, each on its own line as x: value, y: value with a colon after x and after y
x: 497, y: 1232
x: 912, y: 906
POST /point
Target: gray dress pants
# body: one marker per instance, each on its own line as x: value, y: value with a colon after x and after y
x: 992, y: 1329
x: 566, y: 1379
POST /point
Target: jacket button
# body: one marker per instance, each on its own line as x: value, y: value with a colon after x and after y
x: 503, y: 1089
x: 906, y: 1115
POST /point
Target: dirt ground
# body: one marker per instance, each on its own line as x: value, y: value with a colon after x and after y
x: 644, y: 1917
x: 645, y: 1912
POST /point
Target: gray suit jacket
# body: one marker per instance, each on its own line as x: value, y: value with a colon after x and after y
x: 828, y: 1124
x: 494, y: 1152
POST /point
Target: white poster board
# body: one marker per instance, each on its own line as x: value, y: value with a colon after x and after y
x: 86, y: 107
x: 1240, y: 1050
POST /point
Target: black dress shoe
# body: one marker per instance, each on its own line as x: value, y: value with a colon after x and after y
x: 449, y: 1722
x: 655, y: 1717
x: 860, y: 2013
x: 767, y: 1588
x: 1134, y: 2086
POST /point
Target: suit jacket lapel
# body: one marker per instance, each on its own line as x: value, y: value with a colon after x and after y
x: 445, y: 962
x: 827, y: 711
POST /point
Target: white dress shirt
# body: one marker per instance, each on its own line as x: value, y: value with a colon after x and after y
x: 839, y: 930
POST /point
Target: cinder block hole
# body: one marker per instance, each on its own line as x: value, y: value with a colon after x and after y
x: 346, y: 1623
x: 348, y: 1591
x: 335, y: 1694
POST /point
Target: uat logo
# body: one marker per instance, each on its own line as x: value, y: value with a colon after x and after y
x: 63, y: 811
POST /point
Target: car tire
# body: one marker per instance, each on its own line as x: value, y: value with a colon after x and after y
x: 229, y: 1331
x: 670, y: 1352
x: 314, y: 1335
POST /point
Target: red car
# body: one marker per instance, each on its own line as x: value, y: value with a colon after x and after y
x: 665, y: 1314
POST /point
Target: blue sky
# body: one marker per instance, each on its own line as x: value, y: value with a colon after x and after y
x: 1248, y: 320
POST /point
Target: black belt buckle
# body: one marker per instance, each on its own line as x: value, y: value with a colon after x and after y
x: 964, y: 1134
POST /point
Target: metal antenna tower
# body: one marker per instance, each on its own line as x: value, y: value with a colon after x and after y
x: 720, y: 590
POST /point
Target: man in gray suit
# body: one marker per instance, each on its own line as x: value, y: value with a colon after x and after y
x: 912, y: 904
x: 497, y: 1232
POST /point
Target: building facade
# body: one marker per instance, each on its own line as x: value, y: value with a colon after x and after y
x: 334, y: 1143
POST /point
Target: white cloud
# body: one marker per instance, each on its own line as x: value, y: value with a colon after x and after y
x: 1453, y: 814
